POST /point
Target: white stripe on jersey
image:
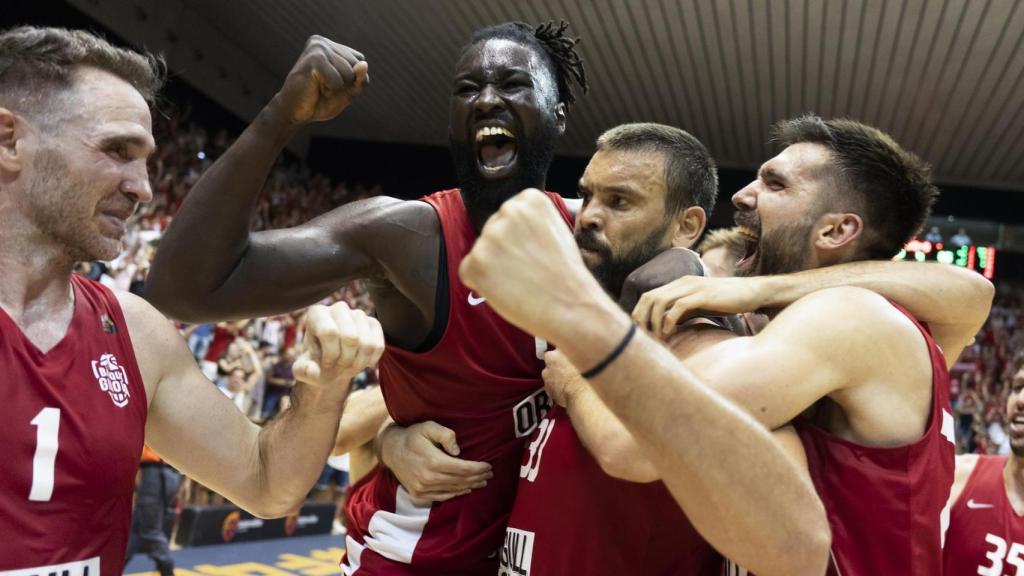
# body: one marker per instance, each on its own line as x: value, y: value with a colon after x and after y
x: 394, y: 535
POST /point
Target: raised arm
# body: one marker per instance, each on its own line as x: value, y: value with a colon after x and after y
x: 953, y: 301
x: 267, y: 471
x: 747, y: 497
x: 209, y: 266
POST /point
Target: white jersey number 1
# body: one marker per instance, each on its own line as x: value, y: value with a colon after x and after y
x: 47, y: 424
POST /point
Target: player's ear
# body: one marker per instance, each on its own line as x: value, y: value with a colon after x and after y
x: 11, y: 154
x: 560, y: 118
x: 838, y: 231
x: 690, y: 225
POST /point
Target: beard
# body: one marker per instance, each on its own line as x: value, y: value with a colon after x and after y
x: 534, y: 154
x: 781, y: 251
x: 612, y: 270
x: 56, y: 200
x: 1017, y: 448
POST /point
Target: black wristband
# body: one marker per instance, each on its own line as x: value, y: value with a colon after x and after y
x: 611, y: 356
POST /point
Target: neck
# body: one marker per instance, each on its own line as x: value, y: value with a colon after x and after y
x: 479, y: 210
x: 1013, y: 475
x: 36, y: 273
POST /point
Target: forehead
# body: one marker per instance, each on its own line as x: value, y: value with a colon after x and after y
x: 106, y: 103
x: 641, y: 170
x: 499, y: 54
x: 802, y: 162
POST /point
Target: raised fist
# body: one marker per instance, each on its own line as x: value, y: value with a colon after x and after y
x: 323, y: 82
x: 338, y: 344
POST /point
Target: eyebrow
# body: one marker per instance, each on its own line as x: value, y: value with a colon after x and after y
x: 621, y: 190
x: 769, y: 172
x: 137, y: 141
x: 503, y: 73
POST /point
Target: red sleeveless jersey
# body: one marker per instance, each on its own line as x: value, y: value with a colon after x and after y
x: 74, y: 425
x: 985, y: 536
x: 482, y: 380
x: 887, y: 506
x: 572, y: 518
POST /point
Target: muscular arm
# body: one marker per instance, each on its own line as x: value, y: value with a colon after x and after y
x: 953, y: 301
x: 209, y: 265
x: 197, y: 429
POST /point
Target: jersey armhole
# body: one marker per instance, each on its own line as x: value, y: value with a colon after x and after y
x: 441, y: 302
x: 967, y: 482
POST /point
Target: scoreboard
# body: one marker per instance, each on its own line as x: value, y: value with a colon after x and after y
x: 981, y: 259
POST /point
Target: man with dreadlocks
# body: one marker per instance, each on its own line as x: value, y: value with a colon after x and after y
x: 450, y: 358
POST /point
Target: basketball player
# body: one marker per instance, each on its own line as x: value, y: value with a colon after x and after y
x: 88, y: 372
x: 451, y: 358
x: 881, y: 428
x: 986, y: 521
x: 647, y: 188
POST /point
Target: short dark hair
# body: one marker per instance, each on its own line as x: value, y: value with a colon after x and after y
x: 36, y: 61
x: 889, y: 187
x: 552, y: 42
x: 690, y: 174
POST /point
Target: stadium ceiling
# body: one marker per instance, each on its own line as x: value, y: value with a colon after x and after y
x: 943, y: 76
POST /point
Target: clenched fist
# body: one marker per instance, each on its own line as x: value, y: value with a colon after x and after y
x: 528, y: 267
x: 337, y: 345
x: 323, y: 82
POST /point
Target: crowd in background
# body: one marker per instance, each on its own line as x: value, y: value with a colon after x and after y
x: 982, y: 378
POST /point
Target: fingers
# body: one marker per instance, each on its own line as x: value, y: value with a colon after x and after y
x: 658, y: 315
x: 322, y: 329
x: 676, y: 313
x: 442, y: 436
x: 378, y: 342
x: 305, y: 369
x: 352, y: 327
x: 642, y: 312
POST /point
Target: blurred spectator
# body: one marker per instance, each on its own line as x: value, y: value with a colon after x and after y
x: 279, y: 383
x: 960, y: 238
x: 154, y: 512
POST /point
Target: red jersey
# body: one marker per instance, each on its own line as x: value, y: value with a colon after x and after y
x: 572, y: 518
x: 986, y: 535
x: 74, y: 425
x: 482, y: 380
x: 887, y: 506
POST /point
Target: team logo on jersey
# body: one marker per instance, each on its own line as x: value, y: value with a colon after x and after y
x: 516, y: 554
x: 112, y: 378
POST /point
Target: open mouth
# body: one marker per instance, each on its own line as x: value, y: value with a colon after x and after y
x: 1017, y: 425
x: 495, y: 151
x: 751, y: 241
